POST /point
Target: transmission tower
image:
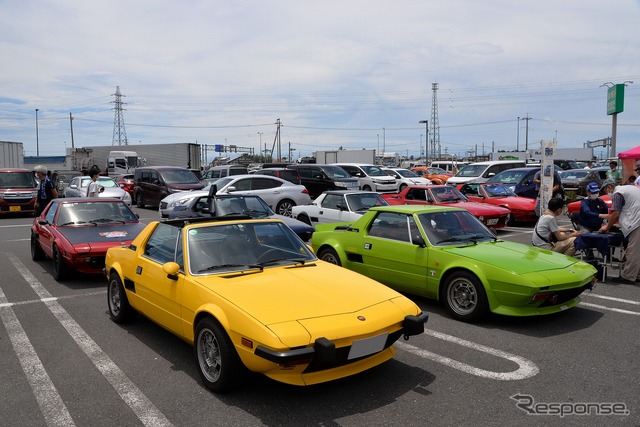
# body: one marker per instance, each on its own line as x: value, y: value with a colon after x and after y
x: 119, y: 133
x: 434, y: 140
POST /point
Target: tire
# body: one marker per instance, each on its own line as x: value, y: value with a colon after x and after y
x: 366, y: 188
x: 218, y: 363
x: 119, y: 309
x: 60, y: 269
x: 465, y: 297
x: 402, y: 187
x: 329, y: 255
x: 36, y: 250
x: 304, y: 218
x: 139, y: 202
x: 284, y: 207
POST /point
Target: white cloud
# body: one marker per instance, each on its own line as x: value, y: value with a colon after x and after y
x: 335, y: 73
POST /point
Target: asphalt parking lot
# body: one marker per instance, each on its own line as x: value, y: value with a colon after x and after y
x: 65, y: 363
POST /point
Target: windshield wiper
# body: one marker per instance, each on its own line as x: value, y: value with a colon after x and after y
x: 298, y: 261
x: 254, y: 212
x: 221, y: 266
x: 72, y: 223
x: 93, y: 221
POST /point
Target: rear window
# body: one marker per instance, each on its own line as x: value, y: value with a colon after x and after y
x: 17, y: 180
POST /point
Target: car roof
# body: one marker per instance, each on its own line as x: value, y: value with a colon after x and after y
x: 342, y: 192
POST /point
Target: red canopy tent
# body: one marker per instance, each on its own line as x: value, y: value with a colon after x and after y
x: 629, y: 159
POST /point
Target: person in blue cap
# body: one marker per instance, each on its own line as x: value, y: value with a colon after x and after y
x: 593, y: 210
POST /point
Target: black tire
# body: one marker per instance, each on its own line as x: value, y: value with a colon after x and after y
x: 402, y: 187
x: 139, y: 202
x: 119, y: 309
x: 284, y: 207
x: 329, y: 255
x: 36, y: 250
x: 60, y: 269
x: 218, y: 363
x: 366, y: 188
x: 465, y: 297
x: 304, y: 218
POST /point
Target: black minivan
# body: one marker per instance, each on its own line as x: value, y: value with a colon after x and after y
x: 154, y: 183
x: 318, y: 178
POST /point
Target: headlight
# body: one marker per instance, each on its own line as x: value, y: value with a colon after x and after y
x: 341, y: 184
x: 179, y: 202
x: 126, y: 197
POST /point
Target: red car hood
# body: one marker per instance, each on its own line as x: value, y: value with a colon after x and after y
x: 104, y: 235
x: 478, y: 209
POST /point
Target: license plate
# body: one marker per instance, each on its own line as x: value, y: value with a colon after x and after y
x: 14, y: 208
x: 493, y: 221
x: 367, y: 346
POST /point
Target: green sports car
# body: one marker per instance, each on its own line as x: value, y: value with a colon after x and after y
x: 448, y: 254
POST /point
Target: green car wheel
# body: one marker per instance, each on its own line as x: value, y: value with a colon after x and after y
x: 465, y: 297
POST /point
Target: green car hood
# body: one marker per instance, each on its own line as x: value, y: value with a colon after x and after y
x: 516, y: 257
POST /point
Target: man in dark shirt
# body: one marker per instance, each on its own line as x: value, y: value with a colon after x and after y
x: 593, y: 210
x: 46, y: 190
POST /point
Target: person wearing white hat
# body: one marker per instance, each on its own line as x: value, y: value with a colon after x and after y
x: 46, y: 190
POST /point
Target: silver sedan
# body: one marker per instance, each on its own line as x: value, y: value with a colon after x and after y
x: 108, y: 188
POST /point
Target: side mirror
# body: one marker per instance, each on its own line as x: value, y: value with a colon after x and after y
x: 231, y: 189
x: 42, y: 222
x: 171, y: 268
x: 340, y: 207
x: 74, y: 186
x: 418, y: 241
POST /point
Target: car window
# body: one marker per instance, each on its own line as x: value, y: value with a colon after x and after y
x: 51, y: 213
x: 391, y: 225
x: 335, y: 172
x: 265, y: 183
x: 245, y: 184
x: 161, y: 246
x: 373, y: 171
x: 331, y: 201
x: 416, y: 194
x: 179, y: 176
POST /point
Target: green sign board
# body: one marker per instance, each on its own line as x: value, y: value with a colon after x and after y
x: 615, y: 99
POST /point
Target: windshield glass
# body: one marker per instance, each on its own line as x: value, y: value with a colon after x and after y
x: 179, y: 176
x: 454, y: 228
x: 573, y: 174
x: 78, y: 213
x: 237, y: 205
x: 17, y: 180
x: 497, y: 190
x: 335, y: 172
x: 406, y: 173
x: 509, y: 176
x: 447, y: 194
x: 363, y: 201
x: 373, y: 171
x: 107, y: 182
x: 220, y: 248
x: 471, y: 170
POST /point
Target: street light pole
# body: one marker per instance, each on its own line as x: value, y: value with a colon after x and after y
x: 426, y: 132
x: 518, y: 139
x: 37, y: 137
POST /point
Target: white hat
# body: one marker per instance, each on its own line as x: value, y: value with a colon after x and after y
x: 41, y: 169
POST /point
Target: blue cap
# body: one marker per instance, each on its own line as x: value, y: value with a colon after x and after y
x: 593, y: 187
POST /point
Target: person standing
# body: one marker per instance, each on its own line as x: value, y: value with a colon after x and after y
x: 613, y: 173
x: 593, y: 210
x: 589, y: 165
x: 93, y: 189
x: 625, y: 209
x: 547, y: 234
x: 46, y: 190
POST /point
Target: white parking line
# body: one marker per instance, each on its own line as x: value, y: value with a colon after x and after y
x: 51, y: 405
x: 146, y: 411
x: 526, y: 368
x: 15, y: 225
x: 617, y: 310
x: 626, y: 301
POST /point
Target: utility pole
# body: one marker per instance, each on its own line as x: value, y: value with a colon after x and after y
x: 71, y: 122
x: 526, y: 140
x: 518, y: 138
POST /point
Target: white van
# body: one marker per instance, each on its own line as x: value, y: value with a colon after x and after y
x: 370, y: 177
x: 448, y: 165
x: 482, y: 171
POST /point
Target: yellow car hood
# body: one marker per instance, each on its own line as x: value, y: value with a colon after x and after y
x: 294, y: 292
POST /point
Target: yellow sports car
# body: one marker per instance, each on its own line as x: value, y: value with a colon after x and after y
x: 249, y: 295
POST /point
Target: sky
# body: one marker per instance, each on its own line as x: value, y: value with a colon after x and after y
x: 336, y: 74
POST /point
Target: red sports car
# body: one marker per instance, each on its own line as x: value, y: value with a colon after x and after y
x: 522, y: 208
x: 446, y: 195
x: 76, y: 233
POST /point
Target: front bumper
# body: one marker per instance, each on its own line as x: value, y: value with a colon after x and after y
x: 324, y: 354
